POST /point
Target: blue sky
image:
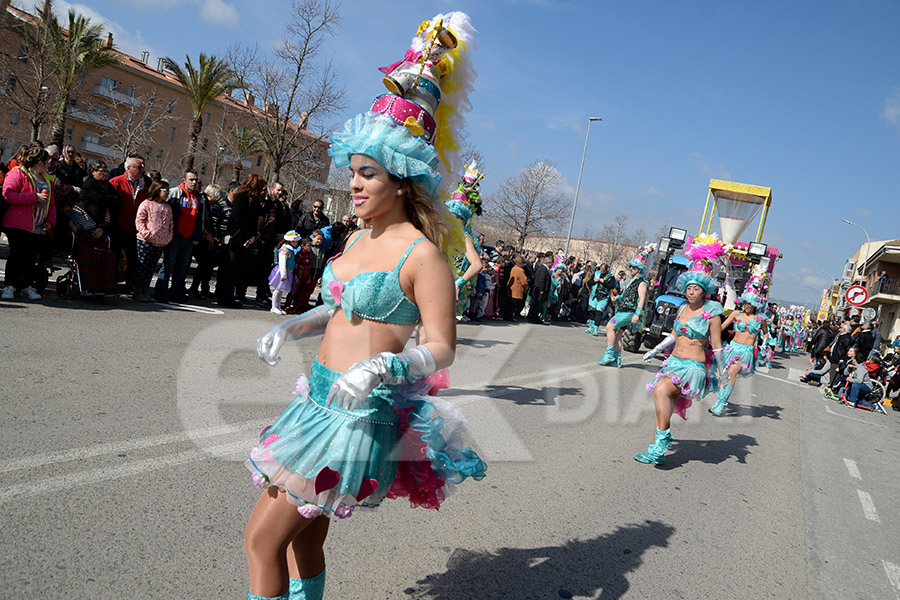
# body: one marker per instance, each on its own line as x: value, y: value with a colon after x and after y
x: 802, y: 97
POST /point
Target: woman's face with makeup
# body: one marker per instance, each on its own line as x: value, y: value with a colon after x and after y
x: 374, y: 191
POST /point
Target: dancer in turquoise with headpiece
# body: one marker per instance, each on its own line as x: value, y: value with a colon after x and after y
x: 630, y: 310
x: 691, y: 371
x: 740, y: 355
x: 362, y: 428
x: 604, y: 283
x: 466, y: 201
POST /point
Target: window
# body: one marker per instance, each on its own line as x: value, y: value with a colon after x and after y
x: 14, y: 118
x: 108, y: 82
x: 11, y: 84
x: 259, y: 160
x: 131, y: 91
x: 128, y: 119
x: 206, y: 119
x: 149, y: 151
x: 91, y: 137
x: 169, y: 106
x: 205, y: 143
x: 158, y: 157
x: 73, y: 101
x: 171, y: 134
x: 203, y: 169
x: 147, y: 129
x: 70, y: 131
x: 152, y: 100
x: 100, y: 109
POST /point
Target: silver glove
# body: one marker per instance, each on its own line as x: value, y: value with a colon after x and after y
x: 357, y: 382
x: 668, y: 342
x: 312, y: 322
x: 720, y: 365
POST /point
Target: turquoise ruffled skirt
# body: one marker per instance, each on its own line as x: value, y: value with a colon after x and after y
x: 621, y: 320
x: 743, y: 353
x: 693, y: 378
x: 399, y: 442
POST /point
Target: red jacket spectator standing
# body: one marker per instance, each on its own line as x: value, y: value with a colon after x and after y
x: 132, y: 189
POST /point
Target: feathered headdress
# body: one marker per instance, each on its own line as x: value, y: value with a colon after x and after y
x: 466, y: 200
x: 412, y: 131
x: 705, y: 253
x: 643, y: 256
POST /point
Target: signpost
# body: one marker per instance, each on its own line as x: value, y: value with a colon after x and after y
x: 868, y: 314
x: 857, y: 295
x: 854, y: 311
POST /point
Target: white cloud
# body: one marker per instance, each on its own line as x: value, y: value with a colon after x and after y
x: 707, y: 168
x: 891, y: 112
x: 652, y: 191
x: 815, y: 282
x: 219, y: 12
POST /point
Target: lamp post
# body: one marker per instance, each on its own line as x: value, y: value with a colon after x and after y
x: 868, y: 241
x: 578, y: 187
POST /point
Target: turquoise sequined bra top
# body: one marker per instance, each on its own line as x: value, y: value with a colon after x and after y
x: 752, y: 327
x: 697, y: 327
x: 376, y: 295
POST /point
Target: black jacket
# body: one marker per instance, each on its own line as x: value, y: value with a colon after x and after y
x: 865, y: 342
x: 97, y: 198
x: 542, y: 280
x: 839, y: 347
x: 308, y: 223
x: 244, y: 219
x: 820, y: 341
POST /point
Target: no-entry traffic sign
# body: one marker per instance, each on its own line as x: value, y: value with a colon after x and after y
x: 857, y: 295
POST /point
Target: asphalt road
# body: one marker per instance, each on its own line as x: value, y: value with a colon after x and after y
x: 124, y: 427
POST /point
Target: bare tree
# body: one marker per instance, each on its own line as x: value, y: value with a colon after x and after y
x: 30, y: 87
x: 339, y: 192
x: 531, y: 201
x: 135, y: 122
x: 293, y: 88
x: 617, y: 242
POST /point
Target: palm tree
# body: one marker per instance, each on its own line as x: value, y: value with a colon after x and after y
x: 242, y: 142
x: 74, y: 52
x: 213, y: 79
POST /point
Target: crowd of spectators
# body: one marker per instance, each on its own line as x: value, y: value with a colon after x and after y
x: 129, y: 224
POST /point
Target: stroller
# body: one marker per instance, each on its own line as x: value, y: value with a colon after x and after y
x: 91, y: 268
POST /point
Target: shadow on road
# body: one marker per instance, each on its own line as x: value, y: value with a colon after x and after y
x: 577, y: 568
x: 523, y: 396
x: 763, y: 411
x: 473, y: 343
x: 712, y: 452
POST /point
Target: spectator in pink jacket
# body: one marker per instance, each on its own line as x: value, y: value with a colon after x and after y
x: 28, y: 222
x: 153, y: 223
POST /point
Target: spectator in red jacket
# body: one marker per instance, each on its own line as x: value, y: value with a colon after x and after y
x: 132, y: 189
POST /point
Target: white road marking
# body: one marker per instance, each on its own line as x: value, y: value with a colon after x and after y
x: 831, y: 412
x: 868, y: 506
x: 796, y: 383
x: 852, y: 468
x: 72, y: 480
x: 38, y: 460
x: 893, y: 575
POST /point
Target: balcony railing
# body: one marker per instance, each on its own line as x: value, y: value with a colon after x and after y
x: 102, y: 90
x: 95, y: 148
x: 891, y: 288
x: 90, y: 117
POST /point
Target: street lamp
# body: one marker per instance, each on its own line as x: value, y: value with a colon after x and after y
x: 578, y: 187
x: 678, y: 237
x: 868, y: 241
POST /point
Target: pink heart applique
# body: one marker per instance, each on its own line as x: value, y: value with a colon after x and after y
x: 367, y: 488
x: 336, y: 288
x: 326, y: 479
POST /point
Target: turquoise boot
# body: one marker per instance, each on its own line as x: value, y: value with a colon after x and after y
x: 611, y: 358
x: 721, y: 400
x: 656, y: 451
x: 308, y: 589
x: 251, y: 596
x: 592, y: 327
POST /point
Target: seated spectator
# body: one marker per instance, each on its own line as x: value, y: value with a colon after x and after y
x: 820, y: 373
x: 91, y: 247
x: 100, y: 199
x: 859, y: 380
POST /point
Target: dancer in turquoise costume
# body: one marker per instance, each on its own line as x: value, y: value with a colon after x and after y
x: 740, y: 355
x: 466, y: 201
x: 690, y: 372
x: 362, y: 428
x: 630, y: 310
x: 604, y: 281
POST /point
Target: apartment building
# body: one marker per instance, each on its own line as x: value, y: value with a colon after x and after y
x: 138, y: 107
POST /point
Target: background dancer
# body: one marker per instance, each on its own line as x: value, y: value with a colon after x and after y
x: 338, y: 446
x: 630, y: 308
x: 740, y: 354
x: 604, y: 282
x: 690, y: 372
x: 465, y: 202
